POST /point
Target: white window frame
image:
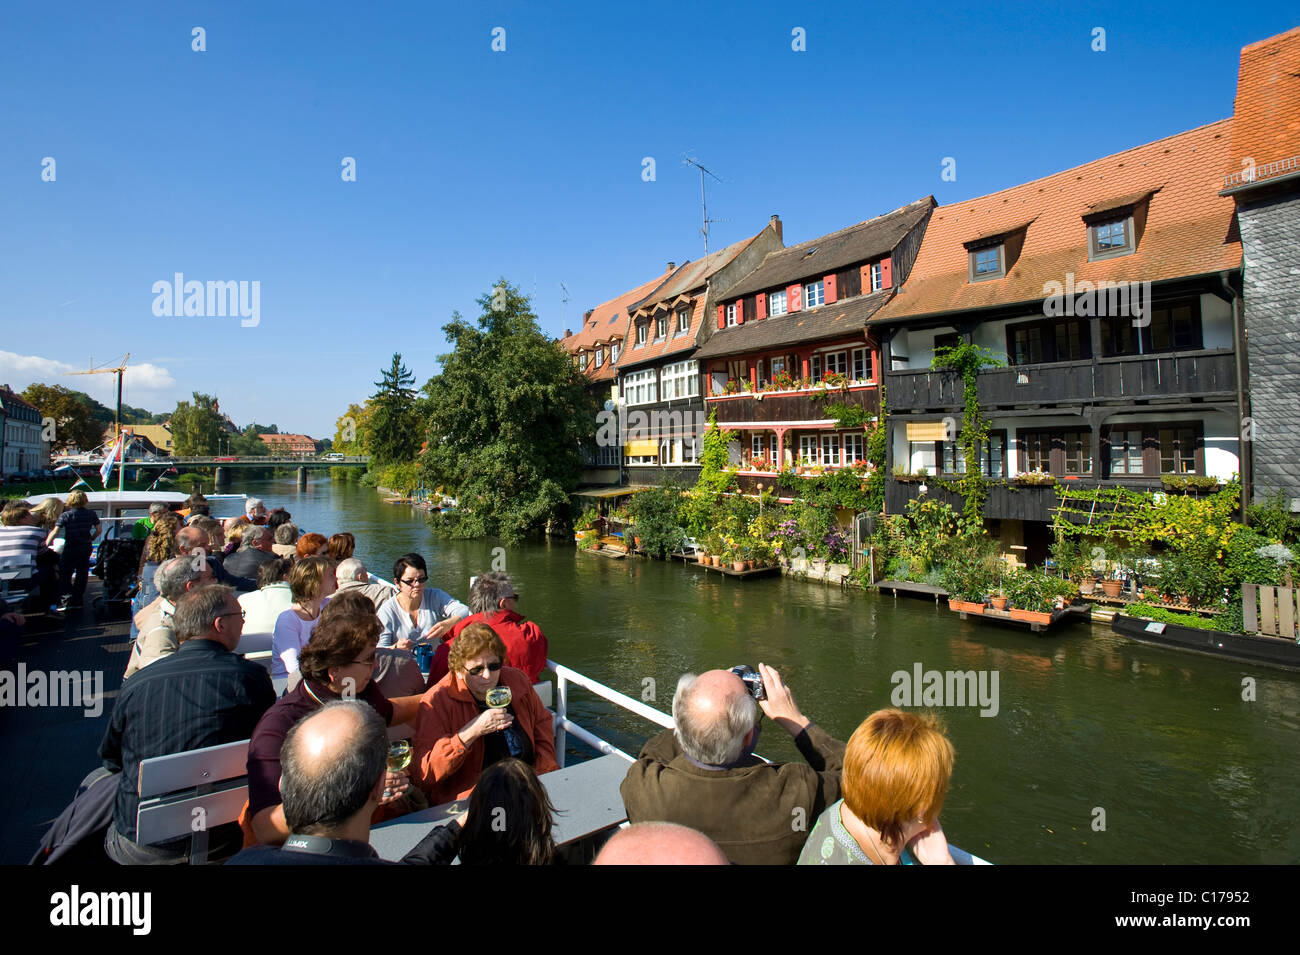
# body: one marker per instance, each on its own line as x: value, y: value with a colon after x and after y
x: 582, y: 361
x: 600, y: 356
x: 641, y: 332
x: 731, y: 315
x: 860, y: 360
x: 854, y: 444
x: 641, y: 387
x: 683, y: 321
x: 613, y: 353
x: 830, y: 445
x: 809, y: 449
x: 776, y: 304
x: 661, y: 327
x: 681, y: 380
x: 814, y: 290
x: 840, y: 360
x: 877, y: 277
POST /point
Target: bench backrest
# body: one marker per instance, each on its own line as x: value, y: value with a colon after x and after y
x: 188, y: 792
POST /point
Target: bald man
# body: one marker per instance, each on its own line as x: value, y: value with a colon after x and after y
x: 332, y: 777
x: 703, y: 774
x: 660, y: 843
x: 195, y: 541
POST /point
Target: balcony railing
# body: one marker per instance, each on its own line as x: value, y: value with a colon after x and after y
x: 1177, y: 374
x: 809, y: 405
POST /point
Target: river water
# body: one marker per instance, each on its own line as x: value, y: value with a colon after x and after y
x: 1101, y: 750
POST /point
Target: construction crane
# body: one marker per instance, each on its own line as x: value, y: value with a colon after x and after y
x: 117, y: 415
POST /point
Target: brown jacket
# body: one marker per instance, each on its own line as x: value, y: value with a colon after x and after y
x: 758, y: 814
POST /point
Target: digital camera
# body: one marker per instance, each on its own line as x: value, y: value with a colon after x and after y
x: 752, y: 679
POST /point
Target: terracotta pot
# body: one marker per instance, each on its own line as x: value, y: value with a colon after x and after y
x: 1185, y: 600
x: 965, y: 606
x: 1088, y: 585
x: 749, y: 565
x: 999, y: 603
x: 1111, y: 588
x: 737, y: 565
x: 1031, y: 616
x: 715, y: 560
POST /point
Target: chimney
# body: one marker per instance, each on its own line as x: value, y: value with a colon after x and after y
x: 775, y: 223
x: 567, y: 333
x: 671, y: 266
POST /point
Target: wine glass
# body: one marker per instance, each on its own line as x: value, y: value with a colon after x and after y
x: 399, y: 757
x: 498, y: 696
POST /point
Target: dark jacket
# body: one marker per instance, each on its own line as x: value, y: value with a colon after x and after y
x: 245, y: 561
x: 437, y: 848
x: 758, y: 813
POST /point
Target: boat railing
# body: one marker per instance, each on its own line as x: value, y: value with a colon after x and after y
x: 564, y: 678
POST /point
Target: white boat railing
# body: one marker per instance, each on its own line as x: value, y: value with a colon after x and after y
x: 563, y: 725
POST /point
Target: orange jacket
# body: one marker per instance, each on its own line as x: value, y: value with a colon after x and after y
x: 442, y: 765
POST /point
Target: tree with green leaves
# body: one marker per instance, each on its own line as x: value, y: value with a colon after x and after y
x: 352, y: 429
x: 507, y: 418
x: 395, y: 435
x: 75, y: 426
x: 196, y: 426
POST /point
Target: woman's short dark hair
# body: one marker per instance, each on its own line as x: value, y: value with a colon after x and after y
x: 337, y: 641
x: 408, y: 560
x: 276, y: 518
x: 510, y: 818
x: 273, y: 571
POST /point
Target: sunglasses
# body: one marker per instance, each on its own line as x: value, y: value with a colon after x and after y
x: 414, y: 581
x: 490, y: 667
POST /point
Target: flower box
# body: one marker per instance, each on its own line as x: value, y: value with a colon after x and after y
x: 965, y: 606
x: 1030, y: 616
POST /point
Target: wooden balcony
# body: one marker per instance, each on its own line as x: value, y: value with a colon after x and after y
x: 1173, y: 375
x: 1006, y: 500
x: 809, y: 405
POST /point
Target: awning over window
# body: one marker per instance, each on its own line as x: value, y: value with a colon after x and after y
x: 642, y: 447
x: 927, y: 431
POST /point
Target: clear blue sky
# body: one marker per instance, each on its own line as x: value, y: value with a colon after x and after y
x: 472, y: 164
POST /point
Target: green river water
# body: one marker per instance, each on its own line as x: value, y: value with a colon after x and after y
x: 1157, y: 745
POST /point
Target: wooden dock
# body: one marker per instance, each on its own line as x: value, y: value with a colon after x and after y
x: 911, y: 589
x: 728, y: 572
x: 1070, y: 614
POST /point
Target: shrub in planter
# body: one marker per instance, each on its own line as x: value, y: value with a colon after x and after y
x: 1029, y: 590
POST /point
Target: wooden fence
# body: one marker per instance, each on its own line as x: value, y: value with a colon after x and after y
x: 1271, y: 611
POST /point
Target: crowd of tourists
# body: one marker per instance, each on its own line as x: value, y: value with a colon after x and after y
x: 356, y: 664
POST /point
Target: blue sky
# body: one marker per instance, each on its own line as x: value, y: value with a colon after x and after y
x: 471, y: 164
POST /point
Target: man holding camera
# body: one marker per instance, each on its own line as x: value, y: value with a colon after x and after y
x: 704, y: 773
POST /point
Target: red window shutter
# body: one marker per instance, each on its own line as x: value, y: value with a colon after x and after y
x: 805, y: 368
x: 828, y: 286
x: 740, y: 311
x: 753, y: 377
x: 794, y: 298
x: 865, y: 272
x: 875, y: 364
x: 886, y: 273
x: 760, y: 306
x: 722, y: 316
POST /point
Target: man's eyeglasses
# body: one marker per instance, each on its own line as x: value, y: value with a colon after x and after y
x: 242, y: 614
x: 414, y: 581
x: 490, y: 667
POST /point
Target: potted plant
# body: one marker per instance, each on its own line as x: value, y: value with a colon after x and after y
x: 966, y: 584
x: 1031, y: 597
x: 1113, y: 581
x: 998, y: 598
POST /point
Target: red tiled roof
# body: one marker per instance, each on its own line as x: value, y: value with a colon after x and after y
x: 1189, y: 228
x: 608, y: 322
x: 690, y: 280
x: 1266, y: 125
x: 13, y: 398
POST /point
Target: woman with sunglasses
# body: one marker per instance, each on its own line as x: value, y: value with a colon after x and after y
x: 457, y: 734
x: 337, y: 663
x: 418, y: 614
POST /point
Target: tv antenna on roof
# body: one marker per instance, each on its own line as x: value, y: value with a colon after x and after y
x: 564, y: 305
x: 704, y: 207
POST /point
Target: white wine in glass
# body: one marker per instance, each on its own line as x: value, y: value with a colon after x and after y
x: 399, y: 755
x: 498, y: 696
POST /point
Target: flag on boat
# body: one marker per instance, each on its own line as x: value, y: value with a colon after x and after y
x: 81, y: 481
x: 111, y: 457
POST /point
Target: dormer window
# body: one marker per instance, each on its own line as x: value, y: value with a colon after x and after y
x: 1106, y: 239
x: 776, y: 303
x: 613, y: 353
x: 814, y: 294
x: 582, y: 362
x: 731, y: 314
x: 683, y: 321
x: 877, y: 279
x: 661, y: 326
x: 641, y: 332
x: 987, y: 263
x: 600, y: 357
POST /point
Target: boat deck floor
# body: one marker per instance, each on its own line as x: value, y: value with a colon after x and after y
x: 46, y: 751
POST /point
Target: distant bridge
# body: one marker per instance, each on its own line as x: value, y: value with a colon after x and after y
x: 271, y: 461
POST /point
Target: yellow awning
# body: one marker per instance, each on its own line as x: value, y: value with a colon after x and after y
x: 927, y: 431
x: 641, y: 447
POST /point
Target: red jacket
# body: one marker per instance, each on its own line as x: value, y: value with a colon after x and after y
x: 526, y: 645
x: 442, y: 765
